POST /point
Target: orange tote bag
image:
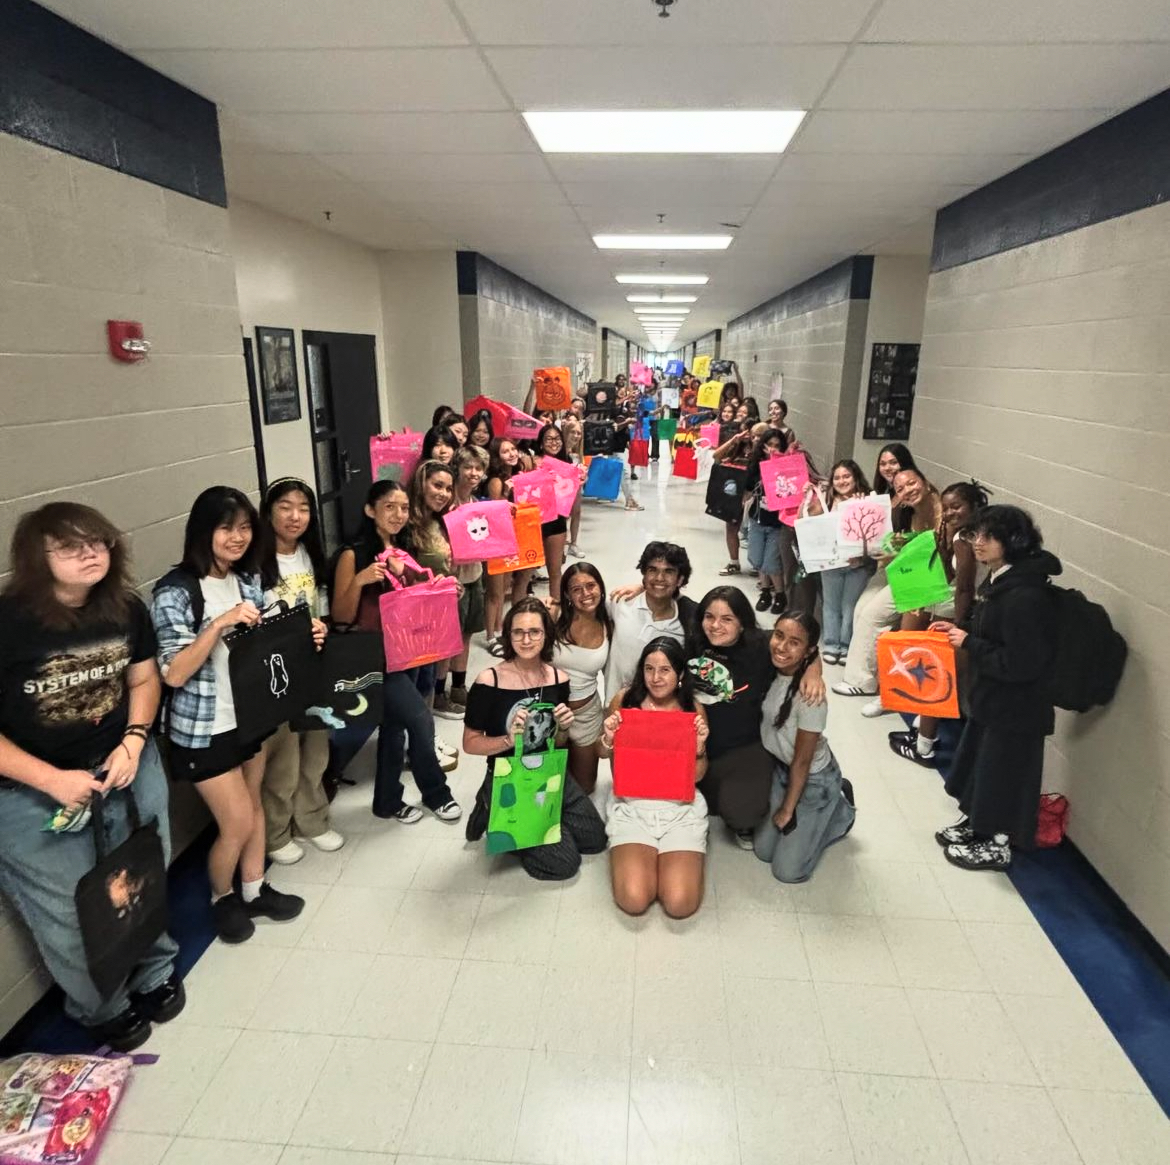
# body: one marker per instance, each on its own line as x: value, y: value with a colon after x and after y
x: 530, y: 554
x: 916, y: 672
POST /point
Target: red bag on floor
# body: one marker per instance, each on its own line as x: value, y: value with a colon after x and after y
x: 639, y: 453
x: 1052, y: 820
x: 685, y: 462
x: 654, y: 755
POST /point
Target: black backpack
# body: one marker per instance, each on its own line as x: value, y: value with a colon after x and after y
x: 1090, y: 653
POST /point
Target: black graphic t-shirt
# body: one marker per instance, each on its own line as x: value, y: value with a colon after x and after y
x: 491, y: 710
x: 63, y: 695
x: 732, y: 683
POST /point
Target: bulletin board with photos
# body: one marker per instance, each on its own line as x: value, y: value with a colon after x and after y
x: 893, y: 371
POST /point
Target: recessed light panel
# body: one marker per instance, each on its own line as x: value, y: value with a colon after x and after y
x: 663, y: 242
x: 665, y: 280
x: 661, y: 298
x: 664, y: 131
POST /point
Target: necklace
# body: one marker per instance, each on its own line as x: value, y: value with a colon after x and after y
x: 525, y: 680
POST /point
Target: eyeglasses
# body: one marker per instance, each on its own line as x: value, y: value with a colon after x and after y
x: 523, y: 633
x: 975, y: 536
x: 77, y: 549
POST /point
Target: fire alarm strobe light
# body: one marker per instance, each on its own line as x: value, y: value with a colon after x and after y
x: 126, y: 341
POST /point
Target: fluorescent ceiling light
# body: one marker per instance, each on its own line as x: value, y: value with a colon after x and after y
x: 661, y: 298
x: 665, y: 131
x: 662, y: 311
x: 663, y: 242
x: 665, y: 280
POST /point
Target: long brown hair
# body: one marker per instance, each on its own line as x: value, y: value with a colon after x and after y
x: 32, y: 584
x: 426, y: 530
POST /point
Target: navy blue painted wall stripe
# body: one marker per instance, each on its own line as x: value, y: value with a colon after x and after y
x: 66, y: 89
x: 1121, y: 166
x: 476, y: 274
x: 849, y: 279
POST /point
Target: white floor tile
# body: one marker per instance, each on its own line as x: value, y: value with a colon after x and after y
x: 363, y: 1096
x: 386, y: 858
x: 589, y: 933
x: 1070, y: 1044
x: 469, y: 1104
x: 775, y: 1024
x: 308, y: 1155
x: 450, y: 866
x: 135, y: 1148
x: 402, y: 998
x: 847, y: 949
x: 1003, y: 1124
x: 162, y: 1096
x: 763, y: 946
x: 837, y: 887
x: 872, y: 1029
x: 970, y: 1037
x: 789, y: 1115
x: 576, y: 1015
x: 896, y: 1120
x: 315, y: 869
x: 514, y: 929
x: 575, y: 1110
x: 238, y: 1105
x: 903, y: 889
x: 199, y: 1151
x: 980, y: 895
x: 1019, y: 959
x: 744, y: 881
x: 433, y: 925
x: 933, y: 953
x: 353, y: 918
x: 225, y: 986
x: 677, y: 946
x: 1114, y: 1128
x: 681, y: 1017
x: 489, y: 1005
x: 313, y: 992
x: 682, y: 1114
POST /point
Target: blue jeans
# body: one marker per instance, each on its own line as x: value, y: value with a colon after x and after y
x: 765, y: 549
x: 823, y: 816
x: 39, y: 872
x: 840, y: 590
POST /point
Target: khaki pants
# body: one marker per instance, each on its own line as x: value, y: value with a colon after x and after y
x: 292, y: 794
x: 875, y: 612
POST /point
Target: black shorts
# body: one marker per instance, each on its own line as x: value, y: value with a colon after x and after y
x: 556, y: 526
x: 223, y: 753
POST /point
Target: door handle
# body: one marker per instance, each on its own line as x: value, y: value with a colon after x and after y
x: 349, y: 472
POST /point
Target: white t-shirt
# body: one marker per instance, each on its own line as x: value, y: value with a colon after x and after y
x: 781, y: 742
x: 219, y: 596
x: 297, y: 582
x: 633, y: 627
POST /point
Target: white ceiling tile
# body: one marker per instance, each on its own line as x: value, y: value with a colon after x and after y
x: 391, y: 133
x: 915, y: 239
x: 337, y: 80
x: 858, y: 193
x: 999, y: 77
x: 507, y: 196
x: 275, y: 24
x: 473, y: 215
x: 670, y: 170
x: 954, y: 131
x: 391, y: 167
x: 653, y: 196
x: 962, y: 169
x: 610, y: 219
x: 992, y: 21
x: 622, y: 77
x: 695, y: 23
x: 245, y: 165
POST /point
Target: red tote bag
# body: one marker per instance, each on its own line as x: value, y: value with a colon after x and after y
x: 497, y: 411
x: 639, y: 453
x: 685, y: 462
x: 654, y: 755
x: 420, y: 623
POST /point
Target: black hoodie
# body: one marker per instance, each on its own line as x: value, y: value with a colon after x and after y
x: 1011, y: 645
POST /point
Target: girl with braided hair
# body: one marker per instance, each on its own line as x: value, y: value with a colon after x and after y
x: 811, y: 804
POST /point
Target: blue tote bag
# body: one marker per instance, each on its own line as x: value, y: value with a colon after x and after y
x: 604, y: 480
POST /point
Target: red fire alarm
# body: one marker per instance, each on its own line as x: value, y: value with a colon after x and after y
x: 126, y: 342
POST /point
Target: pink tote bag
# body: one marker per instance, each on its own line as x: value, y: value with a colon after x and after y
x: 566, y: 483
x: 640, y: 373
x: 537, y: 488
x: 395, y: 456
x: 784, y: 479
x: 481, y: 530
x: 420, y: 623
x: 710, y: 434
x: 519, y: 426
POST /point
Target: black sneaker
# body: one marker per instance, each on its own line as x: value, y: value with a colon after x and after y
x: 910, y: 736
x: 765, y: 600
x: 163, y: 1003
x: 779, y: 603
x: 960, y: 833
x: 273, y: 904
x: 126, y: 1031
x: 232, y: 923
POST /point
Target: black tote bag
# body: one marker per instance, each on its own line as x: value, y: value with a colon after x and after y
x: 600, y: 398
x: 122, y: 902
x: 599, y: 438
x: 725, y: 491
x: 347, y: 682
x: 272, y: 668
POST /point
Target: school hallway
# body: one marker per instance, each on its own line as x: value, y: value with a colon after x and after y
x: 433, y: 1005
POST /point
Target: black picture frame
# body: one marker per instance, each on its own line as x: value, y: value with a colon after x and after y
x: 889, y: 403
x: 280, y: 389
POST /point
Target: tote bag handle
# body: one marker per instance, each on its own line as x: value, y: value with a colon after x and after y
x: 101, y: 845
x: 394, y: 582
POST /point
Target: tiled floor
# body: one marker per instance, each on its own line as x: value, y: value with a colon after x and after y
x: 435, y: 1006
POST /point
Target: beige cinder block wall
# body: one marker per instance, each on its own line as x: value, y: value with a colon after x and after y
x: 1046, y: 374
x: 81, y: 244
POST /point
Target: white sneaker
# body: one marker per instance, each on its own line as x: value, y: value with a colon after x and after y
x: 449, y: 812
x: 844, y: 689
x: 328, y: 842
x: 408, y: 814
x: 442, y: 748
x: 576, y: 550
x: 288, y: 855
x: 875, y: 708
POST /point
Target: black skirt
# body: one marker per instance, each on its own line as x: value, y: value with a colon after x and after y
x: 996, y: 778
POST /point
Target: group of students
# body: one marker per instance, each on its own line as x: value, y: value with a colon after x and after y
x: 84, y: 664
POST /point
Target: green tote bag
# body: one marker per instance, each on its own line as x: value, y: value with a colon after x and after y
x: 527, y: 794
x: 917, y: 576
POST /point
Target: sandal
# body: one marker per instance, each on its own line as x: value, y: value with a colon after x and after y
x: 731, y: 568
x: 635, y: 506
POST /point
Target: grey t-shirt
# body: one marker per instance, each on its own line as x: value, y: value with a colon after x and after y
x: 781, y: 742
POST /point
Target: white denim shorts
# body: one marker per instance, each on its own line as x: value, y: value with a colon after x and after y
x: 667, y: 826
x: 587, y: 722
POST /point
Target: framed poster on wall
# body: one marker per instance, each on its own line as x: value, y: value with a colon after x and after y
x: 279, y: 389
x: 889, y: 402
